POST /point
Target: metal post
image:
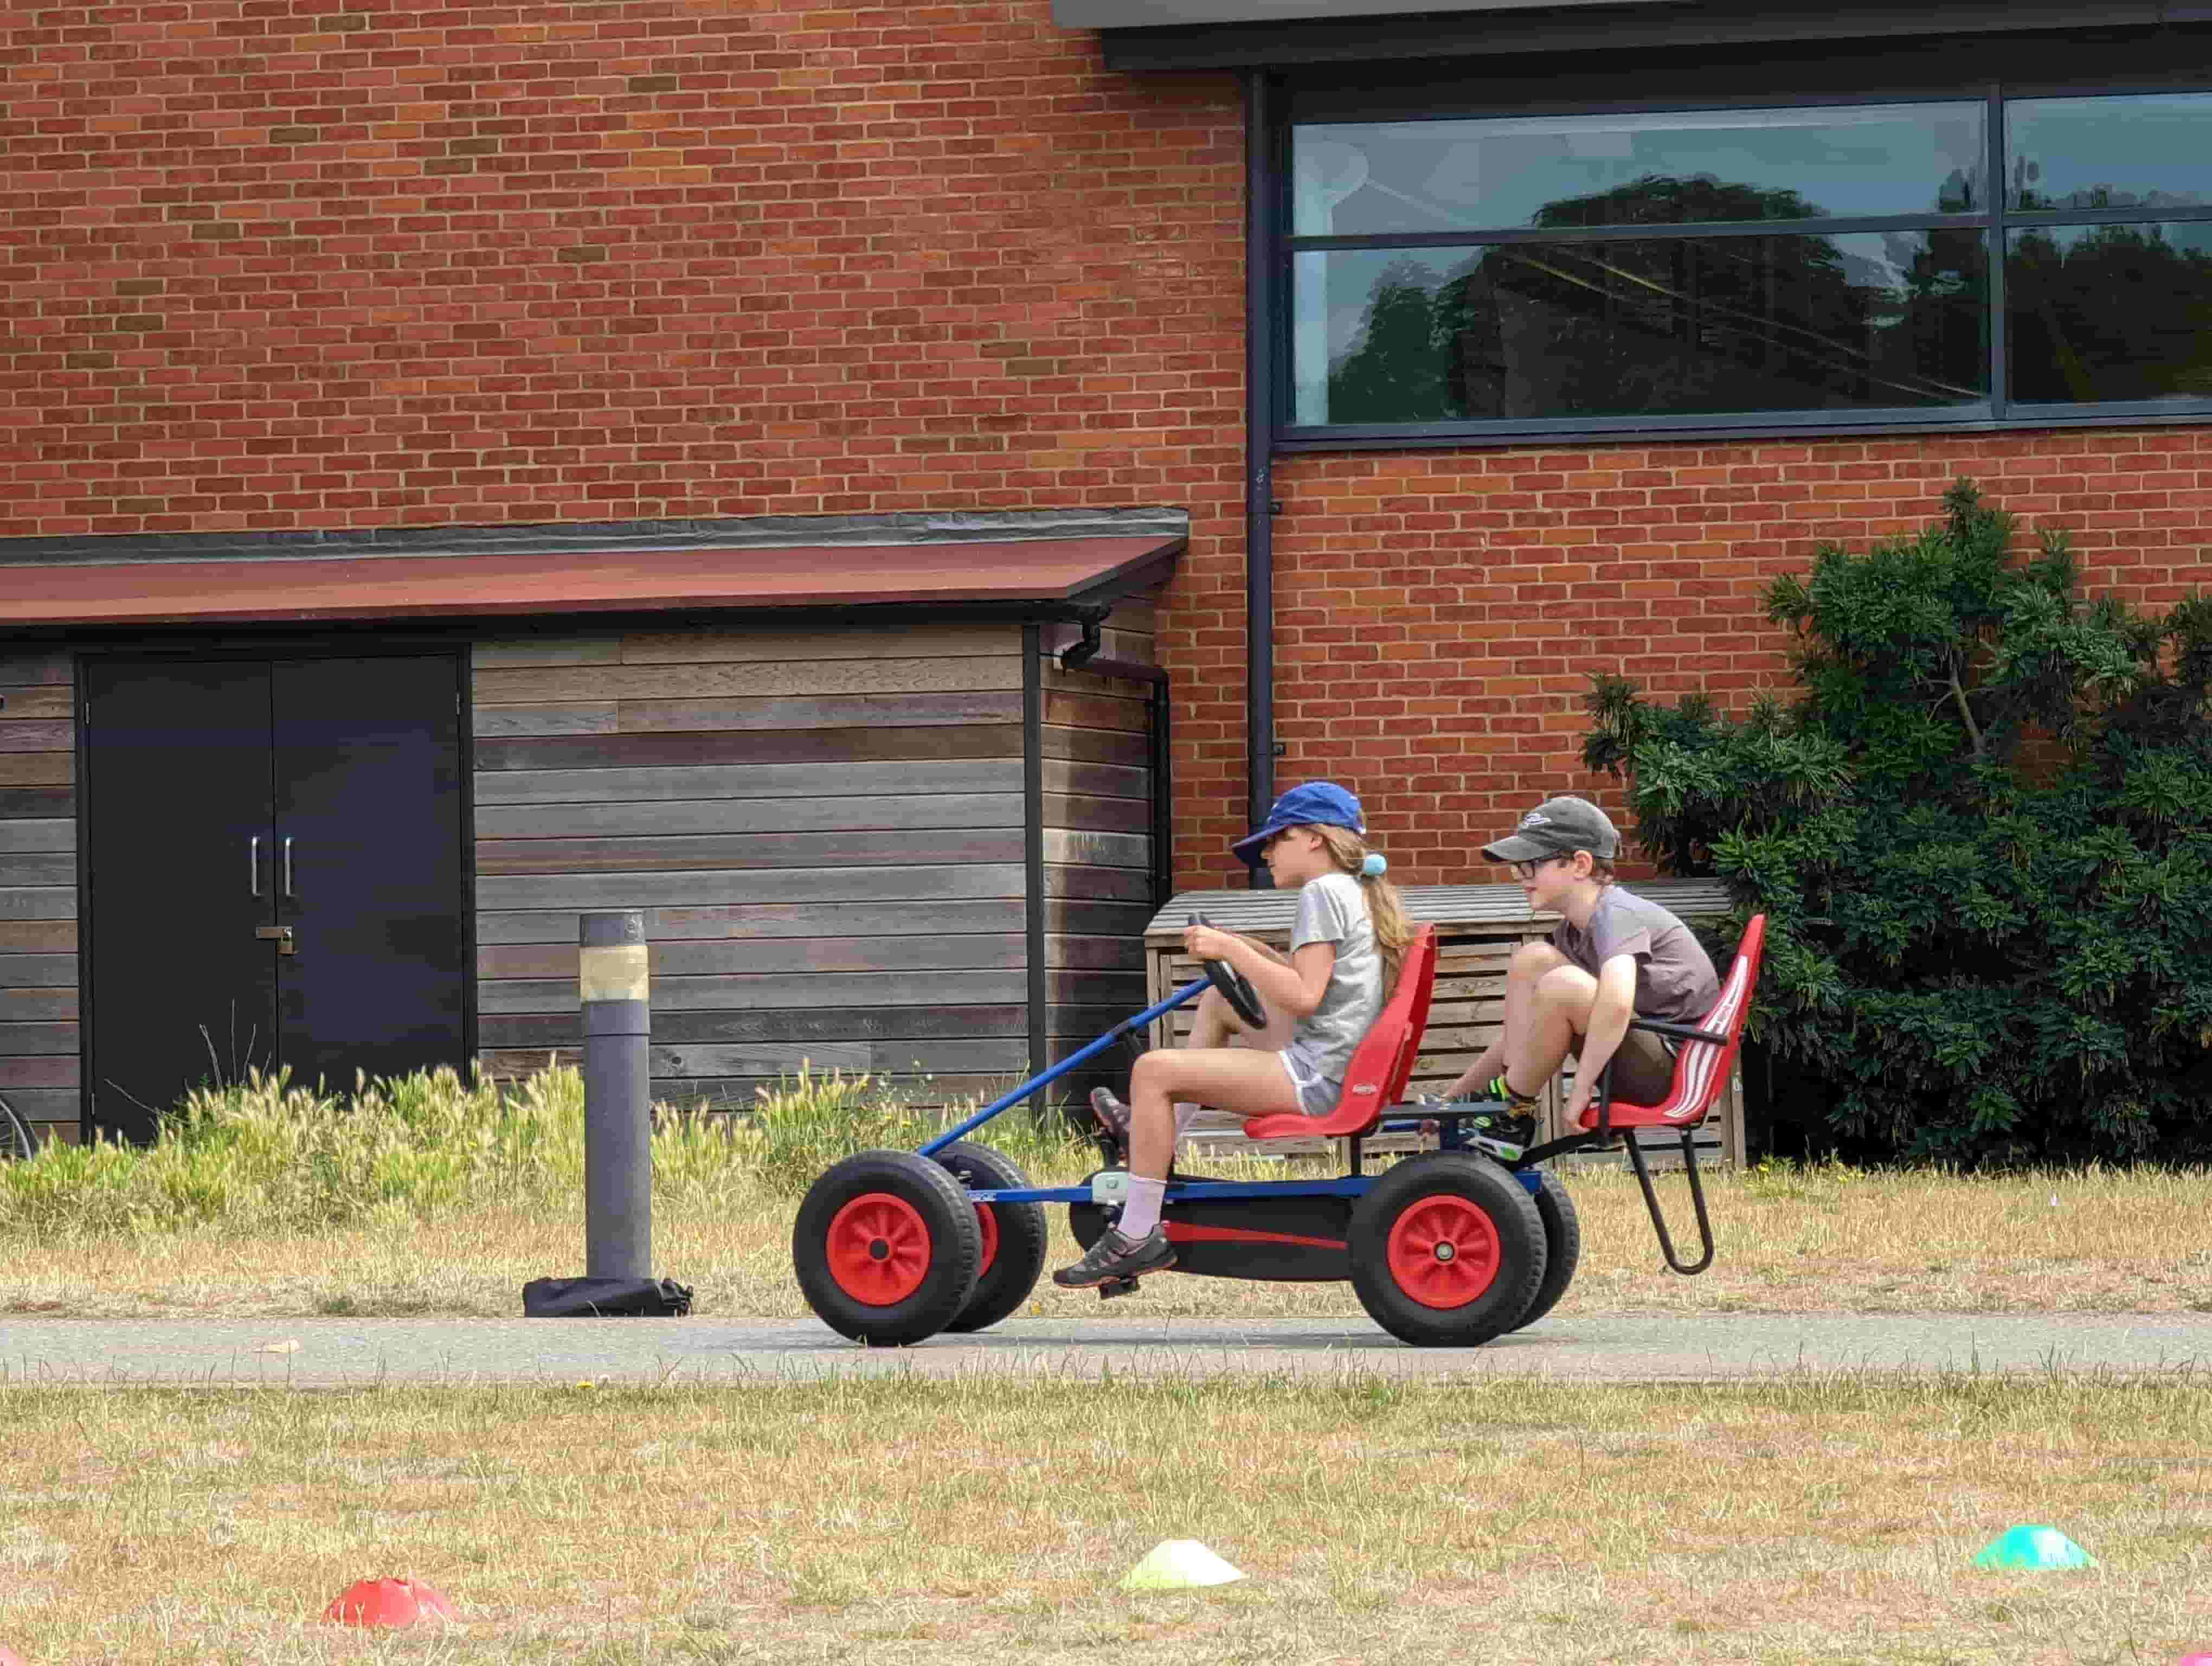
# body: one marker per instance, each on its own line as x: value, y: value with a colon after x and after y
x: 611, y: 976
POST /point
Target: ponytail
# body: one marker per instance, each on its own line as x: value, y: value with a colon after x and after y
x: 1386, y: 910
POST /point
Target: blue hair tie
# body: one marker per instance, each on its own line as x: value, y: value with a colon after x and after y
x: 1374, y: 866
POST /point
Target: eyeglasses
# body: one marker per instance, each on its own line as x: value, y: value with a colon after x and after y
x: 1530, y: 870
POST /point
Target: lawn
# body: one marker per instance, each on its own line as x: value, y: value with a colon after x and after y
x: 1814, y: 1519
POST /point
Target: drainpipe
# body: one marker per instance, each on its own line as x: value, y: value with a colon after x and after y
x: 1259, y: 437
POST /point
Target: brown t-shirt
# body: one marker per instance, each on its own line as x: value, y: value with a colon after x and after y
x: 1675, y: 980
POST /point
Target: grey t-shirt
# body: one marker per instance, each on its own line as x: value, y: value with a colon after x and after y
x: 1333, y: 909
x: 1675, y: 981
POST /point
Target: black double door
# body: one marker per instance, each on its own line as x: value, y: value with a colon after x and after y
x: 273, y: 851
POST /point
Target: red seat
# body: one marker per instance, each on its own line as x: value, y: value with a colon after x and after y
x: 1381, y: 1065
x: 1701, y: 1070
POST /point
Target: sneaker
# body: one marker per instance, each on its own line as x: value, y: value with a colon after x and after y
x: 1117, y: 1257
x: 1506, y: 1128
x: 1112, y: 1114
x: 1514, y: 1121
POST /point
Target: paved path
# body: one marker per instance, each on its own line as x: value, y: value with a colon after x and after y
x: 1623, y: 1348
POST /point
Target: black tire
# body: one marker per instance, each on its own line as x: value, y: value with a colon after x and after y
x: 1471, y: 1237
x: 16, y: 1145
x: 1563, y: 1247
x: 899, y: 1268
x: 1014, y: 1236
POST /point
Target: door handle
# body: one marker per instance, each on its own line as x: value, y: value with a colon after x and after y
x: 253, y: 866
x: 288, y: 865
x: 280, y: 935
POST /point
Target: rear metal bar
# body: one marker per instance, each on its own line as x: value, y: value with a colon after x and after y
x: 1659, y: 1221
x: 1189, y: 991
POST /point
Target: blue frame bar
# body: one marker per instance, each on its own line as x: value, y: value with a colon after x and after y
x: 1192, y: 1190
x: 1189, y: 991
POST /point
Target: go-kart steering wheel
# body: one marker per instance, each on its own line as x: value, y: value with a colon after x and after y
x: 1235, y: 988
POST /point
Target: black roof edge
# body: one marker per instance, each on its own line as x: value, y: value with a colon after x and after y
x: 1696, y: 23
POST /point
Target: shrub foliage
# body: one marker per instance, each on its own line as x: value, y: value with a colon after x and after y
x: 1981, y: 833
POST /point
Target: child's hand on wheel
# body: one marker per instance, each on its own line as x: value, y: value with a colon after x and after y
x: 1207, y: 943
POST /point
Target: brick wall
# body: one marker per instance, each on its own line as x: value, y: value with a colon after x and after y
x: 1439, y: 614
x: 271, y: 264
x: 275, y: 264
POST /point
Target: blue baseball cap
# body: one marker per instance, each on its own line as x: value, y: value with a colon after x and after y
x: 1316, y: 804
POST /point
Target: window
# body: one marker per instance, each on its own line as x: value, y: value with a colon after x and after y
x: 1927, y: 260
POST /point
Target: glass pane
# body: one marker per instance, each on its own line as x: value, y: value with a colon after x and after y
x: 1652, y: 168
x: 1671, y: 326
x: 2147, y: 152
x: 2097, y: 312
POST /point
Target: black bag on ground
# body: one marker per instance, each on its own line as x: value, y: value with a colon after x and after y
x: 605, y: 1299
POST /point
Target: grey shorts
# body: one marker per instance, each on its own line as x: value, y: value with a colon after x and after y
x: 1643, y: 1067
x: 1316, y: 1097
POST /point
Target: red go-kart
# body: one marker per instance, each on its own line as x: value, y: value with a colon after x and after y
x: 1446, y: 1248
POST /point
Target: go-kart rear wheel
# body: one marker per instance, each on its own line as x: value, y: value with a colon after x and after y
x: 1447, y: 1250
x: 1014, y: 1236
x: 886, y: 1246
x: 1563, y: 1247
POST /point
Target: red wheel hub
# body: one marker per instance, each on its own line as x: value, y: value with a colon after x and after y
x: 1444, y: 1250
x: 987, y: 1218
x: 878, y: 1248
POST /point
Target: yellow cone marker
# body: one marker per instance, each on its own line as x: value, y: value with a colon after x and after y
x: 1179, y: 1565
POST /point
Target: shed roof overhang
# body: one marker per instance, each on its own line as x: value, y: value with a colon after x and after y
x: 1049, y: 574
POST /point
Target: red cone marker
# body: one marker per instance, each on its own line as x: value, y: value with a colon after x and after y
x: 385, y: 1603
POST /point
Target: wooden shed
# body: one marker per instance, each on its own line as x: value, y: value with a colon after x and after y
x: 1477, y: 929
x: 891, y: 795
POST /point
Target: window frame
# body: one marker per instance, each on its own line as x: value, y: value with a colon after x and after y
x: 1692, y: 89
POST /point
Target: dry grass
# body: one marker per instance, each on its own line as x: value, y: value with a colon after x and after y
x: 1827, y: 1518
x: 1791, y: 1241
x: 434, y: 1196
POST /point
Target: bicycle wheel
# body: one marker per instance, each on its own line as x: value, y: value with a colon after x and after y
x: 15, y: 1142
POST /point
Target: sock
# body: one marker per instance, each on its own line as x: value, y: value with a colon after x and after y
x: 1142, y: 1212
x: 1501, y: 1088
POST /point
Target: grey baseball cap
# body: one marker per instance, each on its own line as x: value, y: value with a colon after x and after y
x: 1559, y: 827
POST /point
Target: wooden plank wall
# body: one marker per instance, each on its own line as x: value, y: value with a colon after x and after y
x: 825, y: 831
x: 1097, y: 846
x: 37, y: 892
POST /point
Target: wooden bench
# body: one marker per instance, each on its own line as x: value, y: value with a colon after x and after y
x: 1477, y: 929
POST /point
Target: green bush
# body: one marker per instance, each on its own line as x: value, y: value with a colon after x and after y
x: 1982, y: 834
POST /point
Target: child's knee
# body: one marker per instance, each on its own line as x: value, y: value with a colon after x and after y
x: 1567, y: 986
x: 1531, y: 961
x: 1153, y: 1072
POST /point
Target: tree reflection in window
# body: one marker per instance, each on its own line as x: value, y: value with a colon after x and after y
x: 1672, y: 325
x: 2110, y: 312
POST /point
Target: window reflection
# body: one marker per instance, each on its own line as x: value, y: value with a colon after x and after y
x: 2144, y: 151
x: 2095, y: 314
x: 1641, y: 327
x: 1364, y: 178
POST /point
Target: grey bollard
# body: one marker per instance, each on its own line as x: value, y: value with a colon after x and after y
x: 611, y: 976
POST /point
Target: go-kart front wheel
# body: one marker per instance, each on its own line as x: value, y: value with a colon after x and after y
x: 886, y: 1246
x: 1447, y: 1250
x: 1015, y: 1236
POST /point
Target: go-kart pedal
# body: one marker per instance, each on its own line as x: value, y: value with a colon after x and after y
x: 1113, y: 1287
